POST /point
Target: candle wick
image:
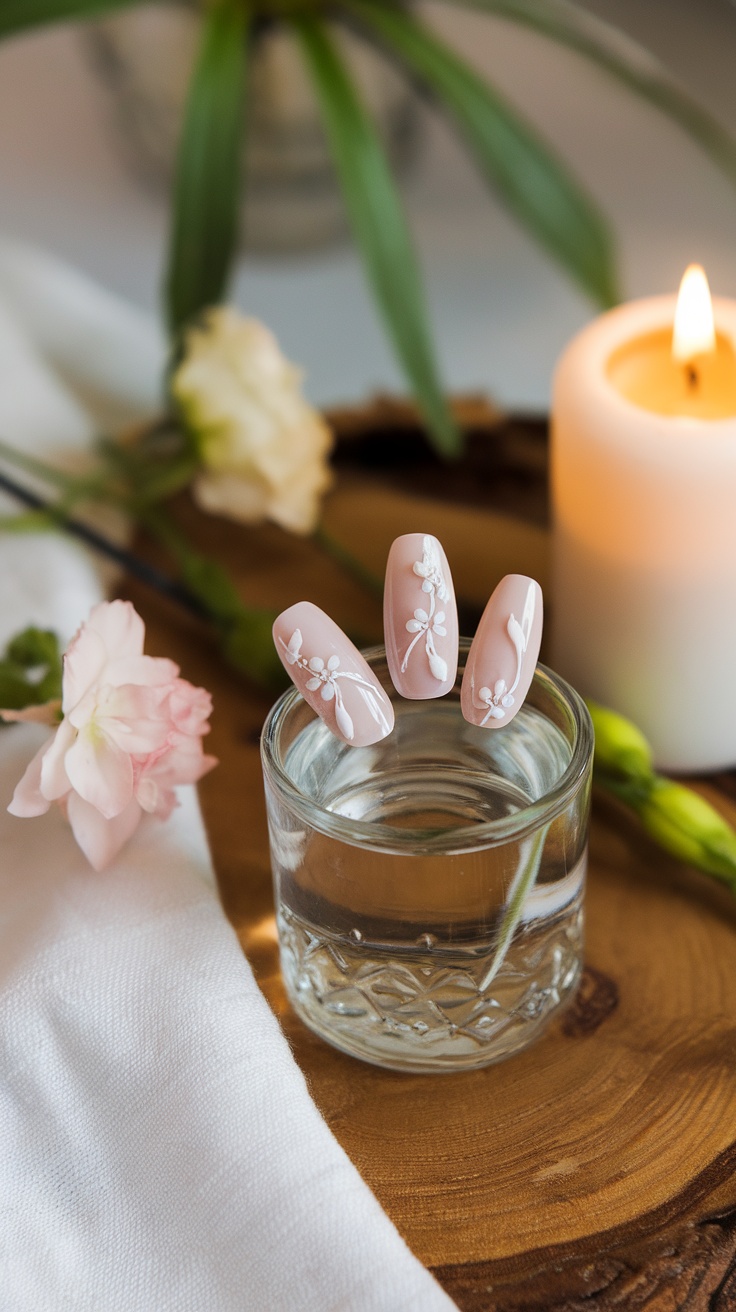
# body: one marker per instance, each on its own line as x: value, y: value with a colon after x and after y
x: 693, y: 377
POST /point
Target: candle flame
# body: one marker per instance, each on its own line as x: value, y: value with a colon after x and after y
x: 694, y: 331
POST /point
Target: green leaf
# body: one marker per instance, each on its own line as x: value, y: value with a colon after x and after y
x: 207, y: 186
x: 34, y: 647
x: 624, y: 59
x: 211, y: 584
x: 524, y: 171
x: 29, y: 521
x: 244, y: 631
x: 18, y: 15
x: 30, y: 670
x: 15, y: 690
x: 39, y: 468
x: 378, y: 224
x: 248, y: 646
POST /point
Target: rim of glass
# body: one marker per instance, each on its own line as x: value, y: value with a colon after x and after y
x: 383, y: 837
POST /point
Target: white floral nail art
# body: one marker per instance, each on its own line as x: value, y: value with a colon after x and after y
x: 432, y: 621
x: 324, y: 675
x: 501, y: 698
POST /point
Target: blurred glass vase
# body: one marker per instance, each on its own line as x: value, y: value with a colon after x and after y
x: 291, y: 199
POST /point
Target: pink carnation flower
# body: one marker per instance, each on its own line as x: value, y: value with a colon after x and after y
x: 131, y: 732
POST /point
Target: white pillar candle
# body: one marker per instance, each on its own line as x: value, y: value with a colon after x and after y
x: 643, y: 475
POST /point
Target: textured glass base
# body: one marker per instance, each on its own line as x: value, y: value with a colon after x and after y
x: 409, y: 1008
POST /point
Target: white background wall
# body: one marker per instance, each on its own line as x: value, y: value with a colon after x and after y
x: 501, y: 310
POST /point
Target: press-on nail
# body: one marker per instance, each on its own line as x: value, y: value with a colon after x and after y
x: 332, y: 676
x: 420, y: 618
x: 503, y: 656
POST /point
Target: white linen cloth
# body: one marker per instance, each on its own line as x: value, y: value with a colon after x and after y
x: 159, y: 1147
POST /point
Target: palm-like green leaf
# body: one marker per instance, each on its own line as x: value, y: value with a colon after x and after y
x: 378, y: 224
x: 17, y: 15
x: 207, y: 186
x: 524, y: 171
x: 625, y: 59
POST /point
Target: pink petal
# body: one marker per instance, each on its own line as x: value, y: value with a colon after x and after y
x: 206, y: 764
x: 136, y: 737
x: 147, y: 793
x: 131, y: 701
x: 167, y: 802
x: 190, y: 707
x: 150, y: 671
x: 136, y: 719
x: 100, y: 772
x: 28, y: 800
x: 183, y: 763
x: 157, y: 801
x: 84, y: 662
x: 101, y: 839
x: 120, y: 627
x: 54, y: 778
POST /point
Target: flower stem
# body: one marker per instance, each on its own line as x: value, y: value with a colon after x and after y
x: 31, y: 465
x: 521, y: 886
x: 347, y: 561
x: 140, y: 569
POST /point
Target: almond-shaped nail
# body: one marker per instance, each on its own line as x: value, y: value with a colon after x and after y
x: 332, y: 676
x: 420, y: 618
x: 503, y: 656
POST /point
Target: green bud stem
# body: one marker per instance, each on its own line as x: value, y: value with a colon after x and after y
x: 620, y: 748
x: 676, y: 817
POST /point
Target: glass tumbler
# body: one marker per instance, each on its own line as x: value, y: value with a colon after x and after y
x: 429, y: 888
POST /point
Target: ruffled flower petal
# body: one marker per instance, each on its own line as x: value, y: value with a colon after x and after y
x: 100, y: 772
x: 149, y: 671
x: 84, y: 661
x: 132, y: 731
x: 190, y: 707
x: 119, y: 626
x: 28, y: 800
x: 54, y: 779
x: 101, y: 840
x: 264, y: 450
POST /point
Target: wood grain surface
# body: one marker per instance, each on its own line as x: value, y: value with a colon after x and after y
x: 596, y: 1170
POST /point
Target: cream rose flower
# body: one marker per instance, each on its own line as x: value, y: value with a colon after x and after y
x: 263, y: 448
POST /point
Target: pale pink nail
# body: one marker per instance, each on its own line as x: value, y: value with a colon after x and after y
x: 332, y: 676
x: 503, y: 657
x: 420, y: 618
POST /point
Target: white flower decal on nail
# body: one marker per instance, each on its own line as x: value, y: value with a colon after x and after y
x: 324, y: 676
x: 501, y: 698
x: 431, y: 622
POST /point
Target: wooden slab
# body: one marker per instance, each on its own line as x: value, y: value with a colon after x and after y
x: 595, y: 1171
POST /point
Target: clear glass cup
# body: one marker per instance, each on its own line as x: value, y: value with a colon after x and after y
x: 429, y: 889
